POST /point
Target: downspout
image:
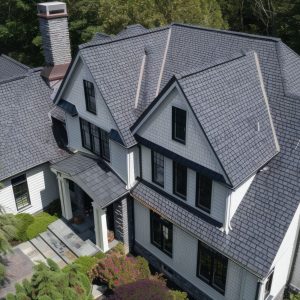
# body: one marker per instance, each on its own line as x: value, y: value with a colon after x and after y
x: 258, y: 290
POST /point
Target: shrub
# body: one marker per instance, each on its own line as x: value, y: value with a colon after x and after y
x: 178, y: 295
x: 100, y: 255
x: 294, y: 296
x: 85, y: 264
x: 40, y: 224
x: 24, y: 220
x: 116, y: 271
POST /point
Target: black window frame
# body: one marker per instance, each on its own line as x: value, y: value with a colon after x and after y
x: 214, y: 258
x: 96, y: 136
x: 161, y: 223
x: 201, y: 200
x: 268, y: 285
x: 90, y: 98
x: 157, y: 161
x: 177, y: 165
x: 16, y: 182
x: 177, y: 122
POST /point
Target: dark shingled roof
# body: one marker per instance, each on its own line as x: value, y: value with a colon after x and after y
x: 11, y: 68
x: 263, y: 217
x: 25, y: 127
x: 94, y: 177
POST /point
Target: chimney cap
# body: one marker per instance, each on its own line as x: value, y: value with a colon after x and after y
x: 52, y: 9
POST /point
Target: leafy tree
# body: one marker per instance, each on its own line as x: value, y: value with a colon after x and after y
x: 8, y: 232
x: 50, y: 282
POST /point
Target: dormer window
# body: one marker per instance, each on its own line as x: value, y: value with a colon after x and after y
x: 90, y: 100
x: 203, y: 192
x: 178, y: 124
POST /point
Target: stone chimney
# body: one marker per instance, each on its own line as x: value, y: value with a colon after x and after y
x: 53, y: 19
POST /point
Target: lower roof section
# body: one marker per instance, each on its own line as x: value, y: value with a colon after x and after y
x: 94, y: 176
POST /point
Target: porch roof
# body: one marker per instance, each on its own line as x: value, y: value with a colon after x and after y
x: 94, y: 176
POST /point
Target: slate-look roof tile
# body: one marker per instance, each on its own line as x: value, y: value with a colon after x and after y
x: 266, y: 211
x: 97, y: 179
x: 26, y: 134
x: 11, y: 68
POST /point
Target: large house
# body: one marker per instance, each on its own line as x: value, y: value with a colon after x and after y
x: 185, y: 147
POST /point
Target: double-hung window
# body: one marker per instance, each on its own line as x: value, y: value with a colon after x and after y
x: 212, y: 267
x: 90, y: 99
x: 21, y: 193
x: 95, y: 139
x: 178, y: 124
x: 203, y: 192
x: 179, y: 180
x: 157, y: 168
x: 161, y: 233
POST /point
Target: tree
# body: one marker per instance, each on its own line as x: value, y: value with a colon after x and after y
x: 50, y: 282
x: 8, y: 231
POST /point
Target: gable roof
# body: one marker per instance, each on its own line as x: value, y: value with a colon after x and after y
x: 263, y: 217
x: 11, y: 68
x: 26, y: 133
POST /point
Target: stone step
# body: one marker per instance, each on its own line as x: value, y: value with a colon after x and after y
x: 32, y: 252
x: 78, y: 246
x: 58, y: 246
x: 46, y: 251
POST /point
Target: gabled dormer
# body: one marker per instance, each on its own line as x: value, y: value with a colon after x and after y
x: 210, y: 132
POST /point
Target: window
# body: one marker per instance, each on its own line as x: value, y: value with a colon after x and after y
x: 212, y: 267
x: 178, y: 124
x: 203, y: 192
x: 268, y: 285
x: 20, y: 189
x: 161, y: 233
x: 179, y: 180
x: 157, y: 168
x: 90, y: 99
x: 95, y: 139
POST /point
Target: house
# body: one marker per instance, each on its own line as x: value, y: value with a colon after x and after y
x: 185, y: 147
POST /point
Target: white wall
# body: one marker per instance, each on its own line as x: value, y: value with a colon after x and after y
x: 158, y: 129
x: 240, y: 284
x: 284, y: 257
x: 42, y: 186
x: 295, y: 280
x: 219, y: 191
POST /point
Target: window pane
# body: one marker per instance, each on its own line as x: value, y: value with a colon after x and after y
x: 220, y: 271
x: 268, y: 285
x: 205, y: 263
x: 105, y: 145
x: 21, y: 194
x: 204, y: 186
x: 179, y: 124
x: 90, y: 100
x: 156, y: 230
x: 85, y: 134
x: 167, y: 238
x: 180, y: 179
x: 95, y: 139
x: 158, y: 168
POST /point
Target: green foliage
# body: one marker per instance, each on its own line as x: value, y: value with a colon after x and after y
x: 178, y: 295
x: 100, y: 255
x: 85, y: 264
x: 294, y: 296
x: 49, y: 282
x: 116, y: 271
x: 24, y: 220
x: 40, y: 224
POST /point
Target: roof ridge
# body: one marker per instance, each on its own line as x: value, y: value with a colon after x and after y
x: 116, y: 39
x: 230, y: 32
x: 15, y: 61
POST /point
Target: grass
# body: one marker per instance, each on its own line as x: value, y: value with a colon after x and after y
x: 40, y: 224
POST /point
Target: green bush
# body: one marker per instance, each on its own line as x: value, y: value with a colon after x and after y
x: 100, y: 255
x: 116, y: 271
x: 85, y: 264
x: 294, y: 296
x: 40, y: 224
x: 178, y: 295
x: 24, y: 220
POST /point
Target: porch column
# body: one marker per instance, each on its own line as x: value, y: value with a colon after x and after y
x: 101, y: 228
x: 65, y: 199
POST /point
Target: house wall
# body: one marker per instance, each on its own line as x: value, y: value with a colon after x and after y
x: 295, y: 278
x: 219, y: 191
x: 42, y: 186
x: 240, y: 284
x: 284, y: 258
x: 158, y: 129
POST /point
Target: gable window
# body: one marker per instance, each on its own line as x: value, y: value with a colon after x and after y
x: 268, y: 285
x: 179, y: 180
x: 157, y: 168
x: 203, y: 192
x: 212, y: 267
x: 178, y: 124
x: 95, y: 139
x: 21, y: 193
x: 90, y: 99
x: 161, y: 233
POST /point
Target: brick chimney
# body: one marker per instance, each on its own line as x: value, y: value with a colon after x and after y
x: 53, y: 19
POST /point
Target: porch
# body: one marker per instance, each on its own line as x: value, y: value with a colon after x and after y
x: 93, y: 200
